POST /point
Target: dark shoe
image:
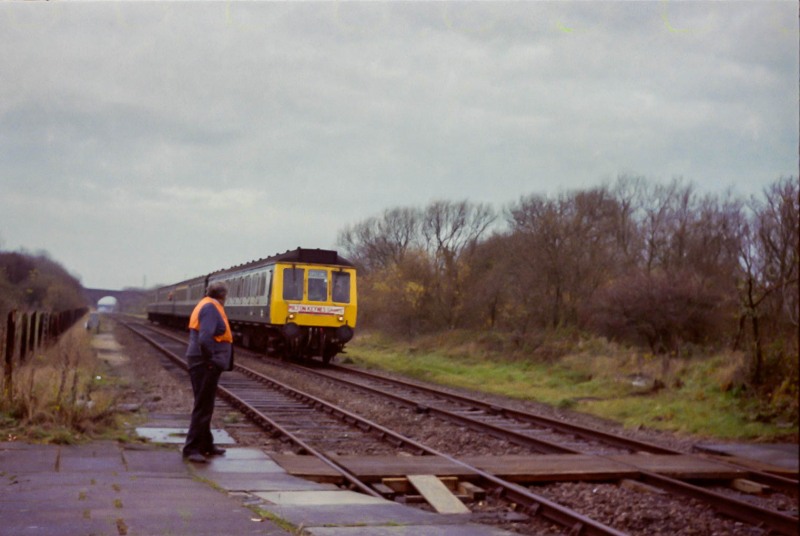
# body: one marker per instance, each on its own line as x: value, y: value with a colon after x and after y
x: 216, y: 451
x: 196, y: 457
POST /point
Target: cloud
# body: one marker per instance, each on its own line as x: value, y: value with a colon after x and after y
x: 264, y: 126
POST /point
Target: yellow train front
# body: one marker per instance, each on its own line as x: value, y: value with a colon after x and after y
x: 299, y: 304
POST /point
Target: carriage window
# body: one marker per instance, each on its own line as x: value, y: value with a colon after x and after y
x: 292, y: 283
x: 317, y: 285
x: 196, y: 292
x: 341, y: 287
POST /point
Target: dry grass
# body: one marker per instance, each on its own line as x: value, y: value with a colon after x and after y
x: 60, y: 394
x: 700, y: 395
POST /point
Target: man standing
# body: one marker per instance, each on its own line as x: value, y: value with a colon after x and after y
x: 210, y: 353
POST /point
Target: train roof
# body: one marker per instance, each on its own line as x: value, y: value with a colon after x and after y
x: 299, y: 255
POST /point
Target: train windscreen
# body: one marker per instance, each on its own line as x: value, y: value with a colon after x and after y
x: 341, y: 287
x: 293, y: 283
x: 317, y: 285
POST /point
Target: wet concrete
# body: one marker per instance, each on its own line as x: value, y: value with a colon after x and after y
x: 104, y: 489
x: 107, y: 488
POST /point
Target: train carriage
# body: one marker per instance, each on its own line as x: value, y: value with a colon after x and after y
x: 298, y: 304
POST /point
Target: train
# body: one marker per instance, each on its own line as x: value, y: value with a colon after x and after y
x: 301, y: 304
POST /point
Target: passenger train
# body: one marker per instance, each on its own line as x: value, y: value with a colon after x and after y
x: 297, y: 304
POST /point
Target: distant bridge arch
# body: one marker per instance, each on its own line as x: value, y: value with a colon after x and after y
x: 130, y: 300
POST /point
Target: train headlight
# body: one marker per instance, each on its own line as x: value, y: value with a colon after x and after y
x: 340, y: 318
x: 291, y: 316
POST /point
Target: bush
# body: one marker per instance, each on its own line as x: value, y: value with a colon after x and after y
x: 662, y: 310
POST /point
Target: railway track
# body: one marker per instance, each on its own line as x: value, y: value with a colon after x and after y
x: 538, y: 432
x: 281, y: 409
x: 547, y: 435
x: 286, y: 411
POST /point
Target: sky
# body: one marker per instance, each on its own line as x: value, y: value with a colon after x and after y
x: 149, y: 142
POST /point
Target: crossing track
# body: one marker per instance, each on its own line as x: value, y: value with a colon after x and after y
x: 515, y: 425
x: 245, y: 389
x: 545, y: 434
x: 265, y: 401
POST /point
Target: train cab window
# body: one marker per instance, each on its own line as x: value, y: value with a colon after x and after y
x: 293, y: 283
x: 341, y: 287
x: 317, y: 285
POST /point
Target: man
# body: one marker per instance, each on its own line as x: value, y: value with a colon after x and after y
x: 210, y: 353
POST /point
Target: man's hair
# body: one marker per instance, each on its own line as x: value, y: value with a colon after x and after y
x: 217, y: 290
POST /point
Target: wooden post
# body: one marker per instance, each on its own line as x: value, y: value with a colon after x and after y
x: 34, y: 317
x: 23, y: 340
x: 41, y: 318
x: 8, y: 371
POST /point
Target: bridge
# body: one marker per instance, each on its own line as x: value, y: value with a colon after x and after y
x: 129, y: 300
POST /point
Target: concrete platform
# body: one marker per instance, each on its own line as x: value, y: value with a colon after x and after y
x: 106, y: 488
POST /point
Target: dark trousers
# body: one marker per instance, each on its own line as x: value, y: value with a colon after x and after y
x: 204, y: 385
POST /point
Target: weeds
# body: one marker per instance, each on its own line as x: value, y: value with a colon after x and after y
x: 56, y: 398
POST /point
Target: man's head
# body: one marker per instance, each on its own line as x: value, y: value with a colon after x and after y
x: 217, y: 290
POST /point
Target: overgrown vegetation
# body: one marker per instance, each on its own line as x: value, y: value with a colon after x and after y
x: 683, y: 277
x: 36, y: 282
x: 61, y: 394
x: 698, y: 395
x: 58, y: 393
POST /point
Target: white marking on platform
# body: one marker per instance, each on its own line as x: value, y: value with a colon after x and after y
x: 317, y: 498
x: 178, y: 435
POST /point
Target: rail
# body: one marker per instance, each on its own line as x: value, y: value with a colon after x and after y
x: 530, y: 502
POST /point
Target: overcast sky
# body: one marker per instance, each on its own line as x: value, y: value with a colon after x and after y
x: 149, y: 142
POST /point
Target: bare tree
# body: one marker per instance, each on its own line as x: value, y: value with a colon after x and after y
x: 491, y: 289
x: 629, y: 194
x: 565, y: 249
x: 778, y: 238
x: 451, y: 231
x: 380, y: 242
x: 769, y: 269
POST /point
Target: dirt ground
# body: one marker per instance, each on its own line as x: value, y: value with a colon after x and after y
x: 148, y: 382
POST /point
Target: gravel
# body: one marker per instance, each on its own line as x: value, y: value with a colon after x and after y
x: 631, y: 509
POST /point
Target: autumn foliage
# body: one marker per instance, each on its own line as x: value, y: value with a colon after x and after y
x: 659, y: 266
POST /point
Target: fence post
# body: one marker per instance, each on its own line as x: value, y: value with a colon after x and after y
x: 8, y: 372
x: 32, y: 332
x: 46, y: 329
x: 37, y: 333
x: 23, y: 339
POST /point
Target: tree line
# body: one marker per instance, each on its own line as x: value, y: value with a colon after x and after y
x: 30, y: 282
x: 658, y: 265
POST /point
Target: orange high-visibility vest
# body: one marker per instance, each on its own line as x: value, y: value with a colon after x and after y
x: 194, y: 320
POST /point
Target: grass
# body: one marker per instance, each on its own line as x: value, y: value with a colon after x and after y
x: 62, y: 395
x: 696, y: 396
